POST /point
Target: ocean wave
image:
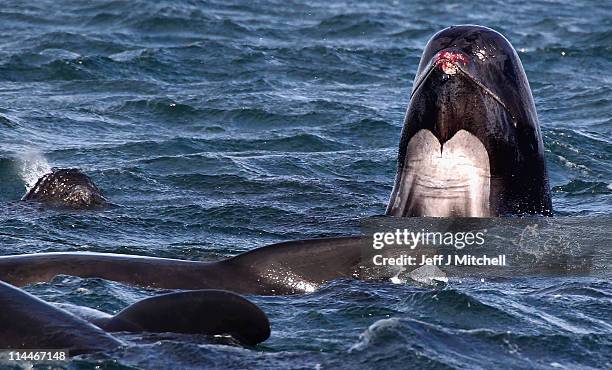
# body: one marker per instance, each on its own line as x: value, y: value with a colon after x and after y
x: 579, y: 187
x: 346, y: 25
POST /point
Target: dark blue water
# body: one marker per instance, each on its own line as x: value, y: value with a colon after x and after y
x: 220, y: 126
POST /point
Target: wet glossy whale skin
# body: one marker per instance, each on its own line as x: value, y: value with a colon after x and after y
x: 69, y: 188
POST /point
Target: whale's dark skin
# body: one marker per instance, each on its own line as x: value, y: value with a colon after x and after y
x: 67, y: 188
x: 294, y: 267
x: 470, y: 78
x: 28, y: 322
x: 284, y: 268
x: 209, y: 312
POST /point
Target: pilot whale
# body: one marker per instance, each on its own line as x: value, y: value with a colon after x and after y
x: 471, y: 144
x: 28, y: 322
x: 66, y: 188
x: 470, y: 147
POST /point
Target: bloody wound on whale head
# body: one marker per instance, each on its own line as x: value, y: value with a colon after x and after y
x: 471, y: 143
x: 447, y: 61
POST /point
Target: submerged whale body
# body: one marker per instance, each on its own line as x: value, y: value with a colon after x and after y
x: 28, y: 322
x: 66, y: 188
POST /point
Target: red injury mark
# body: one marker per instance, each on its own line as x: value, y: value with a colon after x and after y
x: 447, y: 60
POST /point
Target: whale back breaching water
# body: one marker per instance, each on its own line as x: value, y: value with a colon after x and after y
x: 29, y: 322
x: 471, y: 143
x: 66, y: 188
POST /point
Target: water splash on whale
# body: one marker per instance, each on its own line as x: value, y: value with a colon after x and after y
x: 33, y: 166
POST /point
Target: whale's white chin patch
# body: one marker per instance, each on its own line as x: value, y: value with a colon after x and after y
x: 450, y: 180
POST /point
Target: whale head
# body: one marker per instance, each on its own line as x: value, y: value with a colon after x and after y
x: 471, y: 143
x: 66, y: 188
